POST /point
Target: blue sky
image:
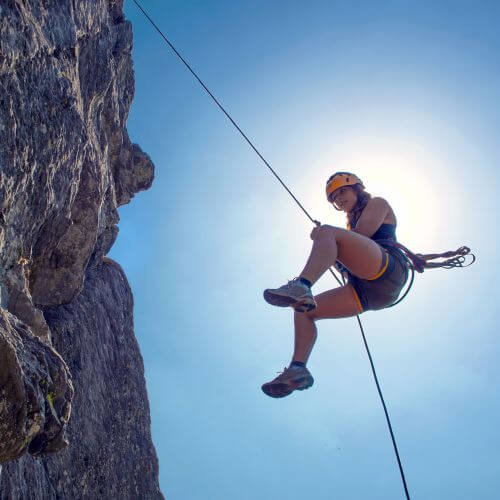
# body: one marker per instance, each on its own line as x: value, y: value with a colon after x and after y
x: 406, y: 95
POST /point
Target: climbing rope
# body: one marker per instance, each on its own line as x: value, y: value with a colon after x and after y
x: 310, y: 218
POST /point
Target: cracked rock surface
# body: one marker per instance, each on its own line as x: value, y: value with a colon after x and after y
x: 74, y: 414
x: 110, y: 454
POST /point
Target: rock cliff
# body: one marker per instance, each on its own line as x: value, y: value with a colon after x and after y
x: 74, y: 413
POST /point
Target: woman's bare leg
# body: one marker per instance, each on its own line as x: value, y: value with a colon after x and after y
x: 361, y: 255
x: 323, y: 255
x: 336, y: 303
x: 305, y: 337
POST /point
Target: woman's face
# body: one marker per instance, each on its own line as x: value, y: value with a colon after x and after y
x: 344, y: 198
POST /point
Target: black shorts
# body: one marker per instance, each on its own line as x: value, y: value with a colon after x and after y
x: 383, y: 290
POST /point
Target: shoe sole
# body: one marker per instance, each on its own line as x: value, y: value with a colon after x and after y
x: 302, y: 304
x: 302, y: 307
x: 281, y: 390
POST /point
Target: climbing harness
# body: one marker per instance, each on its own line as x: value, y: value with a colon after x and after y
x: 419, y: 262
x: 415, y: 259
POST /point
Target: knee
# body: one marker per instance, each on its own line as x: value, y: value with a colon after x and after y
x: 326, y: 231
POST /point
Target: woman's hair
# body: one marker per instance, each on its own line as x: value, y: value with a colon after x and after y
x: 363, y: 197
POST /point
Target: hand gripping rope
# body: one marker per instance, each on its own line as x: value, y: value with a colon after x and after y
x: 416, y: 261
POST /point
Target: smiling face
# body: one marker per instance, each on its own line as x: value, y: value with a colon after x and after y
x: 344, y: 198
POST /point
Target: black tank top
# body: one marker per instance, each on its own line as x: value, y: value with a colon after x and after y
x: 385, y: 232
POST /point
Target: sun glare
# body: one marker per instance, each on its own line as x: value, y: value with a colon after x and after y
x: 407, y: 176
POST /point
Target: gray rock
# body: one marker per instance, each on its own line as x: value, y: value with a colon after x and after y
x: 35, y: 392
x: 110, y: 454
x: 66, y: 325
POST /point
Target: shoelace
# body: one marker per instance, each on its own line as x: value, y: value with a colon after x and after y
x: 286, y: 369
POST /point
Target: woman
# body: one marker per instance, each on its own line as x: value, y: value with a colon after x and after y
x: 376, y: 274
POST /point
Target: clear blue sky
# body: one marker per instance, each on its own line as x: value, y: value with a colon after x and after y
x: 404, y: 93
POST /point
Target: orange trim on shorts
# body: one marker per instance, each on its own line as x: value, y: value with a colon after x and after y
x: 382, y: 271
x: 356, y: 298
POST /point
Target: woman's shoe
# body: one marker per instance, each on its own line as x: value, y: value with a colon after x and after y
x: 294, y: 293
x: 291, y: 379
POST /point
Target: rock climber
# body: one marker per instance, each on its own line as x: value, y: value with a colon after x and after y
x: 376, y: 273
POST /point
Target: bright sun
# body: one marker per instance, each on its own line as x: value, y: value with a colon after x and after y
x: 406, y: 175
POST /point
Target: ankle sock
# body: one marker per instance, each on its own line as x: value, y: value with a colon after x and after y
x: 298, y: 363
x: 306, y: 282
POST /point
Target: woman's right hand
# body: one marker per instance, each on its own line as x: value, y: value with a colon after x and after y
x: 314, y: 232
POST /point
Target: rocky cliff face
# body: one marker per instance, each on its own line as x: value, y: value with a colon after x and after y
x: 74, y: 414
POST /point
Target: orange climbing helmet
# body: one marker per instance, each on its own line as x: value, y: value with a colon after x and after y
x: 341, y: 179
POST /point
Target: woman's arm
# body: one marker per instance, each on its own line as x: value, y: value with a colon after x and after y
x: 372, y: 217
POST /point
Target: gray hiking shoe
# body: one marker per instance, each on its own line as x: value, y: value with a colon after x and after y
x: 294, y: 293
x: 291, y: 379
